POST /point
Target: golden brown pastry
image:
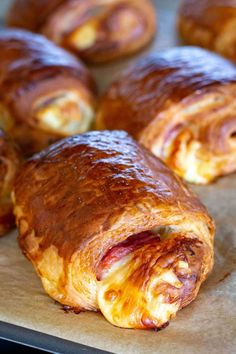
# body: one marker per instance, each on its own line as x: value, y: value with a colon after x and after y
x: 96, y: 30
x: 10, y: 161
x: 46, y: 93
x: 109, y: 227
x: 210, y: 24
x: 181, y: 105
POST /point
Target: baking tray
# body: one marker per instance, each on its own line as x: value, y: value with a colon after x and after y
x: 30, y: 317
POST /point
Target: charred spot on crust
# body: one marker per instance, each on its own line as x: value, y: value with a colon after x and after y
x: 162, y: 327
x: 233, y: 135
x: 68, y: 309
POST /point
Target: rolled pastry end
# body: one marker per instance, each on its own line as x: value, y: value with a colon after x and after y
x: 63, y: 113
x: 209, y: 25
x: 125, y: 23
x: 146, y: 279
x: 103, y: 31
x: 200, y: 143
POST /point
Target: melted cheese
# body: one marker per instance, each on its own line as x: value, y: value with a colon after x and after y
x: 65, y: 114
x: 84, y: 37
x: 197, y: 165
x: 133, y: 293
x: 185, y: 153
x: 193, y: 166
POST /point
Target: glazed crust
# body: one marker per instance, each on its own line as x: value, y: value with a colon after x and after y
x: 210, y: 24
x: 88, y: 193
x: 180, y: 90
x: 96, y: 30
x: 31, y: 67
x: 10, y: 161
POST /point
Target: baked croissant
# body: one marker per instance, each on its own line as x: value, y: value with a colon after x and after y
x: 96, y: 30
x: 109, y: 227
x: 180, y: 104
x: 46, y: 93
x: 10, y: 161
x: 210, y: 24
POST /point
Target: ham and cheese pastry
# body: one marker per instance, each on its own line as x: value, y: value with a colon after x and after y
x: 181, y: 105
x: 210, y: 24
x: 46, y: 93
x: 96, y: 30
x: 10, y: 161
x: 109, y: 227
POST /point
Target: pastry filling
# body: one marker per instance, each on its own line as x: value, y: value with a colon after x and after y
x: 117, y: 25
x: 84, y: 37
x: 145, y: 280
x: 199, y: 145
x: 63, y: 113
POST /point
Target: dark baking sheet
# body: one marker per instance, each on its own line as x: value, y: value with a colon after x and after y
x: 43, y: 341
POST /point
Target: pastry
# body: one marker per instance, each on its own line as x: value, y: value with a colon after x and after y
x: 10, y: 161
x: 181, y: 104
x: 96, y: 30
x: 46, y: 93
x: 210, y: 24
x: 109, y: 227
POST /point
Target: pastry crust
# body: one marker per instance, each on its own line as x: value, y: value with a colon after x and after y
x: 100, y: 198
x: 96, y: 30
x: 46, y: 93
x: 180, y: 104
x: 10, y: 161
x: 210, y: 24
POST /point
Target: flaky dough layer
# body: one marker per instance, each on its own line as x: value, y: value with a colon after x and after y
x: 180, y: 104
x: 96, y: 30
x: 91, y: 204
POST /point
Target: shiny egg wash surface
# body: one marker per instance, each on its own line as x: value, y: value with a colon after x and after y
x: 83, y: 207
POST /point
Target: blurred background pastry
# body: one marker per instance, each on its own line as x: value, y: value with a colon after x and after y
x: 181, y: 104
x: 10, y: 161
x: 96, y: 30
x: 46, y: 93
x: 210, y: 24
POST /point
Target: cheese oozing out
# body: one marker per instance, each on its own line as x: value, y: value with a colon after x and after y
x: 83, y: 37
x: 186, y: 152
x: 63, y: 113
x: 135, y: 290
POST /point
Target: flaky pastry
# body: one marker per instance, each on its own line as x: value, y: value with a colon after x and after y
x: 96, y: 30
x: 181, y: 105
x: 109, y: 227
x: 46, y: 93
x: 210, y: 24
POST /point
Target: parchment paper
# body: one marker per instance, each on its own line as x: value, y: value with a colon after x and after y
x: 206, y: 326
